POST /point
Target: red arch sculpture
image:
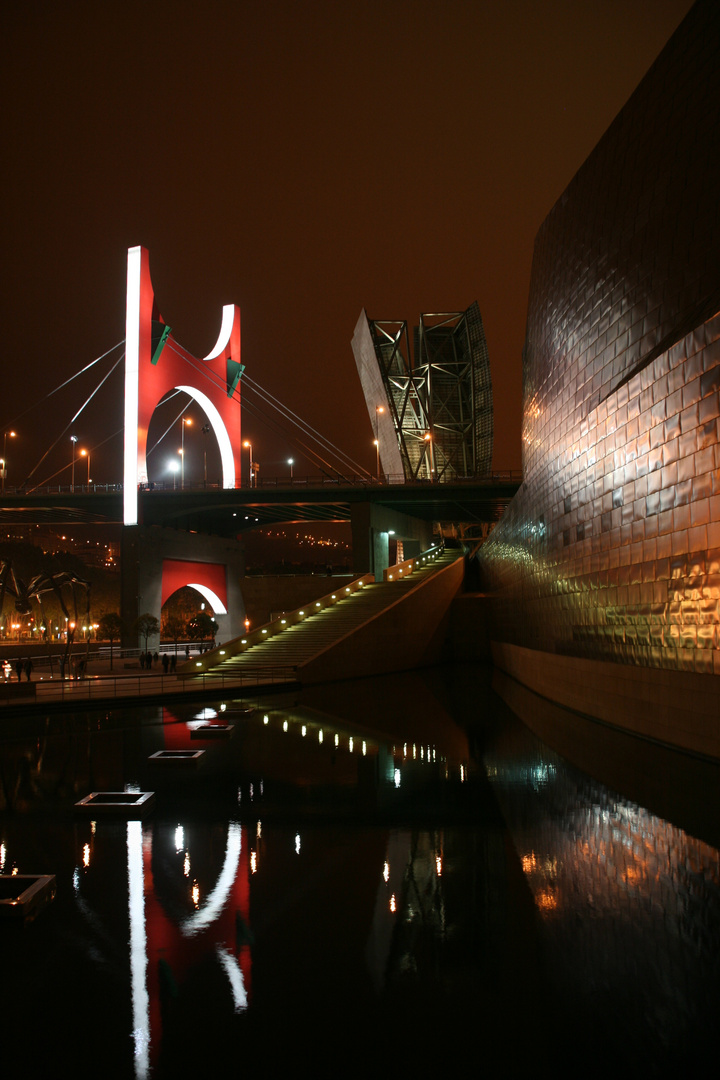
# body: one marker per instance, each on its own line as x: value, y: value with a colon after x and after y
x: 155, y: 364
x: 209, y: 579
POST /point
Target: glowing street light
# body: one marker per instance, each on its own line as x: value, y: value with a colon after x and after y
x: 86, y: 453
x: 12, y: 435
x: 291, y: 462
x: 174, y: 469
x: 185, y: 421
x: 378, y: 409
x: 73, y: 440
x: 248, y: 446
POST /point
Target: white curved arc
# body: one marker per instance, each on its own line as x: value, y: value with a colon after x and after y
x: 226, y: 453
x: 212, y: 598
x: 235, y: 977
x: 209, y: 911
x: 228, y: 318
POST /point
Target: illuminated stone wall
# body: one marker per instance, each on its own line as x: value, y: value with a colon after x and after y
x: 611, y: 550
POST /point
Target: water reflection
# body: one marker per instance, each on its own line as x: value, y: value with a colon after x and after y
x: 364, y: 881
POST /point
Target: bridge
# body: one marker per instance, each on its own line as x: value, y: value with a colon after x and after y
x: 228, y: 512
x: 177, y: 534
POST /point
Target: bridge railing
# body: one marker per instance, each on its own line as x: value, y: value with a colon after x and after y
x: 104, y: 688
x: 508, y: 476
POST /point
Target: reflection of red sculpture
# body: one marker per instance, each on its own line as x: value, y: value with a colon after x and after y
x: 155, y: 364
x: 177, y: 948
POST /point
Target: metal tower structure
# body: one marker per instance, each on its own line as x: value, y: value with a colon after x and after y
x: 432, y: 418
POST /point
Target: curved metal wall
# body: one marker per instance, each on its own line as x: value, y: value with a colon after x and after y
x: 612, y: 548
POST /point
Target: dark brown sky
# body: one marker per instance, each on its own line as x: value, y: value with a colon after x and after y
x: 302, y: 159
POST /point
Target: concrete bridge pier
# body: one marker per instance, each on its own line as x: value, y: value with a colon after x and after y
x: 156, y: 562
x: 372, y: 528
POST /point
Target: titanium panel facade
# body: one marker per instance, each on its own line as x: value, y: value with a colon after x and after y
x: 611, y: 550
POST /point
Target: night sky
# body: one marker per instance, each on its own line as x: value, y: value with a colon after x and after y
x: 301, y: 159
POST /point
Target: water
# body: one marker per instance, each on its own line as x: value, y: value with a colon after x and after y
x: 381, y: 875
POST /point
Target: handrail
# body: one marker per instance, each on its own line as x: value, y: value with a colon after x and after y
x: 103, y: 688
x: 513, y: 476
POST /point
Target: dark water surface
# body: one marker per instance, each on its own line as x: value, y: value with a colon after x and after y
x: 396, y: 873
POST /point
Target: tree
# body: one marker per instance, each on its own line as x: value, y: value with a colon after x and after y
x: 110, y: 628
x: 145, y: 625
x: 174, y: 628
x: 202, y: 626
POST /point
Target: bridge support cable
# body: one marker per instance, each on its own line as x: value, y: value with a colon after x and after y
x: 74, y: 418
x: 10, y: 423
x: 287, y: 414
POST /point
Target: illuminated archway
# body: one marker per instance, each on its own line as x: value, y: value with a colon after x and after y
x: 155, y: 365
x: 209, y: 579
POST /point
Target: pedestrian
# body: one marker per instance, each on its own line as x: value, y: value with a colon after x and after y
x: 173, y: 662
x: 165, y: 662
x: 187, y: 652
x: 142, y: 660
x: 155, y: 658
x: 28, y: 668
x: 19, y: 668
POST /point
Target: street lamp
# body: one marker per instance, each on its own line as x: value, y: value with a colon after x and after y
x: 378, y: 409
x: 174, y: 469
x: 4, y: 457
x: 429, y: 450
x: 291, y: 462
x: 86, y: 453
x: 185, y: 421
x: 205, y: 430
x: 73, y: 440
x: 248, y: 444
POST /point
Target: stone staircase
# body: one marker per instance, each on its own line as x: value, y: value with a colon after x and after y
x: 274, y: 654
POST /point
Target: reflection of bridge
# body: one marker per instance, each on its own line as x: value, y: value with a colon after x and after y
x: 227, y: 512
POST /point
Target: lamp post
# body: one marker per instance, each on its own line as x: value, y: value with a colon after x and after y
x: 174, y: 467
x: 291, y: 462
x: 73, y: 440
x: 248, y: 444
x: 185, y: 421
x: 86, y: 454
x: 4, y: 457
x: 429, y: 450
x: 205, y: 430
x: 378, y: 409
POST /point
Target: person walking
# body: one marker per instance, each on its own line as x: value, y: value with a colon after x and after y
x: 28, y: 668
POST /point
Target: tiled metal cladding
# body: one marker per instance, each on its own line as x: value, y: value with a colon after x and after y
x: 611, y: 549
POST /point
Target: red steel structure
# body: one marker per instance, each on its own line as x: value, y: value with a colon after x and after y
x: 156, y: 364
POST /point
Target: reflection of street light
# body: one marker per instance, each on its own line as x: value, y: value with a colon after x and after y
x: 174, y: 469
x: 4, y: 457
x: 378, y: 409
x: 86, y: 453
x: 185, y: 421
x: 73, y: 440
x: 248, y: 444
x: 291, y: 462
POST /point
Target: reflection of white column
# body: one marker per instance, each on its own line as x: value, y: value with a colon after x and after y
x: 138, y: 950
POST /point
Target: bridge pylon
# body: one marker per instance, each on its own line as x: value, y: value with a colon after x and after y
x: 155, y: 364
